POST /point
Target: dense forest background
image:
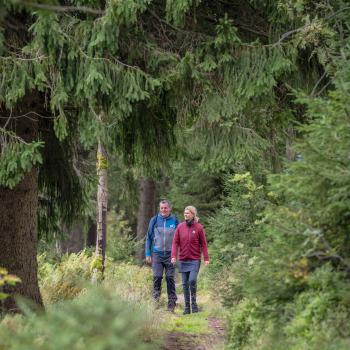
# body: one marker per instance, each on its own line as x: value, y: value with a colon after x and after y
x: 240, y: 108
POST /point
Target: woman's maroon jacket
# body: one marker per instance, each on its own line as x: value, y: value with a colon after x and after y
x: 191, y: 240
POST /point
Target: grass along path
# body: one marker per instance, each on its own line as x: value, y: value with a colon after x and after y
x: 200, y: 331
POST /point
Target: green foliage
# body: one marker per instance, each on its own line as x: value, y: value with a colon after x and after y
x: 17, y: 158
x: 121, y: 244
x: 71, y: 275
x: 84, y: 67
x: 97, y: 319
x: 65, y: 279
x: 177, y: 10
x: 123, y: 189
x: 66, y: 180
x: 229, y: 78
x: 233, y: 230
x: 188, y: 179
x: 6, y: 279
x: 132, y: 282
x: 316, y: 186
x: 286, y: 268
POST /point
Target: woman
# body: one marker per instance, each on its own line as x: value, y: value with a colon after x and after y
x: 190, y: 238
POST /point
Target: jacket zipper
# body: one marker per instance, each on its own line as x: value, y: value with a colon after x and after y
x: 164, y: 234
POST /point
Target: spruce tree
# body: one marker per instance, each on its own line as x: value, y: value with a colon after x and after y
x: 146, y: 65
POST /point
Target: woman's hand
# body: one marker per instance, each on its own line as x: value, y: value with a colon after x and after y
x: 206, y: 263
x: 148, y: 260
x: 173, y: 261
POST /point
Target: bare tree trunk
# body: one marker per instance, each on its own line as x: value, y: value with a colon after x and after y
x: 289, y: 142
x: 91, y: 234
x: 102, y: 200
x: 73, y: 240
x: 19, y: 224
x: 275, y: 158
x: 147, y: 190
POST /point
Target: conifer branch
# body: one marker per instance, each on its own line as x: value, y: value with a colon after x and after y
x: 12, y: 135
x: 337, y: 12
x: 110, y: 60
x: 289, y: 33
x: 317, y: 83
x: 17, y: 57
x: 323, y: 88
x: 323, y: 255
x: 27, y: 115
x: 64, y: 8
x: 178, y: 29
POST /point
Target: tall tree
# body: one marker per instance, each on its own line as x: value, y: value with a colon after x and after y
x: 102, y: 204
x: 145, y: 65
x: 147, y: 205
x: 19, y: 206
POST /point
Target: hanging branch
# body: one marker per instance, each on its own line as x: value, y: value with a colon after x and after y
x: 63, y: 8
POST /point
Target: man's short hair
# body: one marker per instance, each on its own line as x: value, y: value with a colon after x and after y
x: 163, y: 201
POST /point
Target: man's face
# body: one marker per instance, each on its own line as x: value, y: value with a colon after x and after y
x: 164, y: 209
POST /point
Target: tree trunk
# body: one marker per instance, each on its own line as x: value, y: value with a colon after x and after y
x: 289, y: 142
x: 19, y: 225
x: 18, y: 239
x: 73, y: 240
x: 147, y: 190
x: 102, y: 201
x: 91, y: 235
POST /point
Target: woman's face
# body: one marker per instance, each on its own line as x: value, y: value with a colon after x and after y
x: 188, y: 215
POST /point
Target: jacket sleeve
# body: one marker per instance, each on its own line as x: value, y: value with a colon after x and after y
x: 175, y: 244
x: 149, y: 238
x: 203, y: 243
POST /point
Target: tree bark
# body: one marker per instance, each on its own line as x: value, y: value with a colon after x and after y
x: 18, y: 238
x: 147, y: 190
x: 73, y: 240
x: 91, y: 234
x: 289, y: 142
x: 102, y: 201
x: 19, y: 223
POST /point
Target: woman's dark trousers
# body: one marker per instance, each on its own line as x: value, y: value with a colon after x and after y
x: 159, y: 265
x: 189, y: 284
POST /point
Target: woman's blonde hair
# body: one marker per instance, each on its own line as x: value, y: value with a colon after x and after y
x: 193, y: 210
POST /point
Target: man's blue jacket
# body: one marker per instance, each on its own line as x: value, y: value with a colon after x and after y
x: 160, y: 235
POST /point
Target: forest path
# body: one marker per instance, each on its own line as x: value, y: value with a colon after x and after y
x: 201, y: 331
x: 188, y: 341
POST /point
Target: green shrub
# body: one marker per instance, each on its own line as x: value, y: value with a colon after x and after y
x: 121, y: 244
x: 234, y: 233
x: 97, y: 319
x: 6, y: 279
x: 131, y: 281
x: 285, y: 273
x: 319, y: 317
x: 65, y: 279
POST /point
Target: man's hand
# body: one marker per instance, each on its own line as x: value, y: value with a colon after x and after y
x: 206, y: 263
x: 173, y: 261
x: 148, y: 260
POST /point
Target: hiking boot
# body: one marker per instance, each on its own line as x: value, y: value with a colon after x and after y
x: 171, y: 308
x: 195, y: 308
x: 193, y: 289
x: 187, y: 299
x: 187, y: 310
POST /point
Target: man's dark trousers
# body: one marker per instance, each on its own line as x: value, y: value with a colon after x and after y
x: 159, y: 264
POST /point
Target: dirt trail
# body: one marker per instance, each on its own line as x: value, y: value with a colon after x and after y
x: 212, y: 341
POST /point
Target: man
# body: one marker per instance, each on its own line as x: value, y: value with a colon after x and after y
x: 159, y: 239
